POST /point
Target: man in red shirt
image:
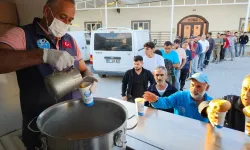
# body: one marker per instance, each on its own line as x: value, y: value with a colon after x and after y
x: 224, y: 48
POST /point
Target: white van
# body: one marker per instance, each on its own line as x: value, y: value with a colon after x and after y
x: 83, y: 42
x: 113, y: 49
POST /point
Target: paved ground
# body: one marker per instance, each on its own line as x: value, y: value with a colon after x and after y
x: 225, y: 78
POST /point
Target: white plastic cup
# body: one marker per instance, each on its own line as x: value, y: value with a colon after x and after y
x: 140, y: 106
x: 247, y: 119
x: 221, y: 115
x: 86, y: 94
x: 221, y: 119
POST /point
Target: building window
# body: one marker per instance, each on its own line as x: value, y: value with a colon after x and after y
x: 141, y: 25
x: 90, y: 26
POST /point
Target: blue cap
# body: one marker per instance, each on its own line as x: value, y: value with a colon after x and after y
x: 200, y: 77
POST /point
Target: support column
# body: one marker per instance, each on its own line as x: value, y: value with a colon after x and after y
x: 247, y: 15
x: 172, y: 21
x: 106, y: 13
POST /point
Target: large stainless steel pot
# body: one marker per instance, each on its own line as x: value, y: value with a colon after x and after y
x: 72, y: 126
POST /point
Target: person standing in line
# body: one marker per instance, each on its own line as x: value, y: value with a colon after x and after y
x: 171, y: 60
x: 135, y: 81
x: 236, y: 43
x: 161, y: 88
x: 205, y: 47
x: 231, y: 40
x: 188, y: 41
x: 217, y: 48
x: 186, y: 70
x: 224, y: 47
x: 211, y: 47
x: 185, y: 103
x: 243, y: 41
x: 151, y: 60
x: 182, y: 58
x: 196, y: 49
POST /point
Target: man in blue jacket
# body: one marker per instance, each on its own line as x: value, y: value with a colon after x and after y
x: 185, y: 103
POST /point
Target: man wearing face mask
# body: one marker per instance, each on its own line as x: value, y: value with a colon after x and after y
x: 44, y: 38
x: 185, y: 103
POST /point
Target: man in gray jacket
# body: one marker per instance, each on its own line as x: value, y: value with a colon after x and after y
x: 231, y: 47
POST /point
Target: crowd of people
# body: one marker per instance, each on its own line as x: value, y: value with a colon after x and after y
x: 159, y: 77
x: 185, y: 58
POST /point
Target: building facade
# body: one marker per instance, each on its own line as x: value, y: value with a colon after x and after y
x: 188, y: 20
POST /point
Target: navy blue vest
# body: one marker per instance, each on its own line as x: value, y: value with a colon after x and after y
x: 34, y: 96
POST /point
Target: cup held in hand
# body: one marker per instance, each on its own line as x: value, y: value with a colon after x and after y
x: 221, y: 107
x: 221, y: 119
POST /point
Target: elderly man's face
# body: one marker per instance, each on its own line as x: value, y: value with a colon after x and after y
x: 62, y: 10
x: 160, y: 76
x: 245, y: 92
x: 197, y: 89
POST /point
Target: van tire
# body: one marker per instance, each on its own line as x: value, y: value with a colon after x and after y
x: 102, y: 75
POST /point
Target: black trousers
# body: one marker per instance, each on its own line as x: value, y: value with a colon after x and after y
x: 207, y: 57
x: 29, y: 138
x: 222, y: 53
x: 183, y: 77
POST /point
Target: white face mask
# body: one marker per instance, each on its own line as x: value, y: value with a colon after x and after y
x: 57, y: 27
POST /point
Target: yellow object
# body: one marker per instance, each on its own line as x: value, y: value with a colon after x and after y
x: 82, y: 86
x: 246, y: 111
x: 140, y: 99
x: 220, y: 105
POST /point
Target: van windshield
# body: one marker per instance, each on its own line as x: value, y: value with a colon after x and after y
x: 113, y: 42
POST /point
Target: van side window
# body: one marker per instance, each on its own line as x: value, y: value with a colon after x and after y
x: 113, y: 42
